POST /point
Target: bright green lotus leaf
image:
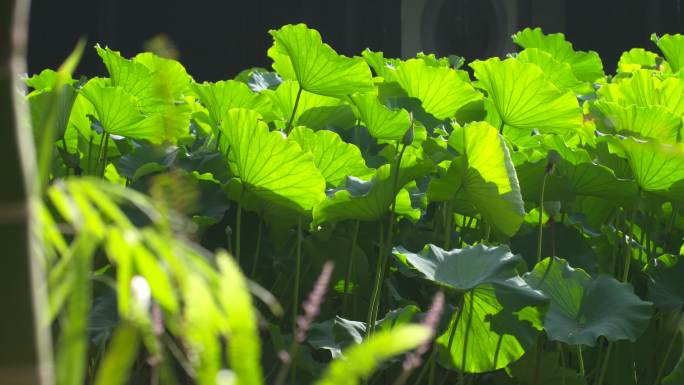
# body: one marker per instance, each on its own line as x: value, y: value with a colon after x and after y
x: 269, y: 167
x: 672, y: 47
x: 585, y: 308
x: 656, y: 166
x: 655, y: 122
x: 587, y: 66
x: 221, y: 96
x: 666, y: 286
x: 440, y: 90
x: 486, y: 175
x: 558, y: 73
x: 382, y: 122
x: 154, y: 81
x: 462, y: 269
x: 382, y: 67
x: 313, y: 111
x: 525, y: 99
x: 45, y: 80
x: 672, y: 95
x: 503, y: 324
x: 335, y: 159
x: 117, y: 111
x: 639, y: 89
x: 370, y: 200
x: 299, y: 54
x: 636, y: 59
x: 361, y: 360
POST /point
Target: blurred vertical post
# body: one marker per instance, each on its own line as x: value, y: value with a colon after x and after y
x: 25, y: 356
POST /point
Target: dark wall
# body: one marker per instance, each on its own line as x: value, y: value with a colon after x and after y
x: 217, y: 39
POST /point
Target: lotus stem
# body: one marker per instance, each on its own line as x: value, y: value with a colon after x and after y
x: 257, y: 250
x: 90, y: 153
x: 604, y: 364
x: 540, y: 233
x: 350, y: 265
x: 104, y: 156
x: 670, y: 346
x: 238, y: 226
x: 218, y: 141
x: 580, y: 360
x: 376, y: 284
x: 298, y: 268
x: 628, y: 253
x: 465, y: 338
x: 294, y: 110
x: 448, y: 224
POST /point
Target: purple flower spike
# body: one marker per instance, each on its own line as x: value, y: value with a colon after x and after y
x: 312, y: 305
x: 431, y: 320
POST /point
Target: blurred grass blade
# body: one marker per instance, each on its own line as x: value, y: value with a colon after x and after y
x: 121, y: 353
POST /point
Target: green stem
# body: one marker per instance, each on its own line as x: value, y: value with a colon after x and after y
x: 465, y: 339
x: 350, y: 264
x: 104, y: 156
x: 218, y: 141
x: 90, y: 155
x: 448, y: 226
x: 663, y: 362
x: 298, y: 268
x: 541, y: 217
x: 628, y: 253
x: 370, y: 324
x: 257, y: 251
x: 604, y: 364
x: 561, y: 358
x: 580, y: 360
x: 294, y: 110
x: 238, y: 228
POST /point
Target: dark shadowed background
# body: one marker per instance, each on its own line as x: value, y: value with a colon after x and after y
x: 217, y: 39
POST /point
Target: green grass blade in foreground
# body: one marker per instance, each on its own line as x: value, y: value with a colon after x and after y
x: 525, y: 99
x: 299, y: 54
x: 119, y: 357
x: 360, y: 361
x: 585, y: 308
x: 244, y: 345
x: 269, y: 167
x: 332, y: 156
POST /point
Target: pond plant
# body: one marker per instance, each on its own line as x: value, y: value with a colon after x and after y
x: 510, y: 221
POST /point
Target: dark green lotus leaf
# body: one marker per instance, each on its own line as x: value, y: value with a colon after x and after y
x: 666, y: 286
x: 672, y: 47
x: 586, y: 66
x: 259, y: 79
x: 370, y: 200
x: 676, y: 376
x: 299, y: 54
x: 545, y: 369
x: 335, y: 335
x: 462, y: 269
x: 585, y: 308
x: 144, y: 159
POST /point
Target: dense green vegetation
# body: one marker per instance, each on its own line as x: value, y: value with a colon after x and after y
x: 534, y: 201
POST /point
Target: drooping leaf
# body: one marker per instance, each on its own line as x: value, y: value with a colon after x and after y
x: 335, y: 335
x: 440, y: 90
x: 665, y: 286
x: 382, y: 122
x: 584, y: 308
x: 335, y: 159
x: 299, y: 54
x: 486, y: 175
x: 587, y: 66
x: 360, y: 361
x: 268, y: 166
x: 525, y: 99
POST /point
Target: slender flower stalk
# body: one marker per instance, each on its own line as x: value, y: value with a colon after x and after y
x: 312, y: 307
x: 431, y: 320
